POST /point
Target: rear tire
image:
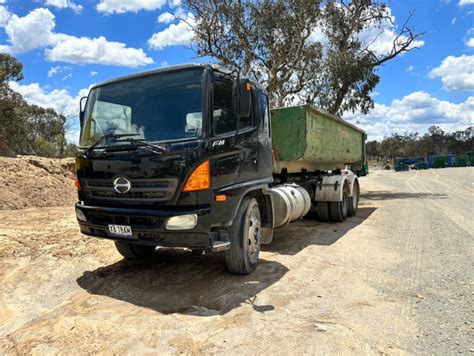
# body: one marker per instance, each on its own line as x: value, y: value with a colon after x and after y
x: 354, y: 200
x: 338, y: 209
x: 132, y: 251
x: 245, y: 238
x: 323, y: 210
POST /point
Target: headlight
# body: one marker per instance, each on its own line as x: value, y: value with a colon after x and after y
x: 80, y: 215
x: 182, y: 222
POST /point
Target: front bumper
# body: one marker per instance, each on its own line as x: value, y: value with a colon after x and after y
x: 148, y: 227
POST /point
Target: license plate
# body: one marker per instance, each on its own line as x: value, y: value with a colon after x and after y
x: 121, y: 230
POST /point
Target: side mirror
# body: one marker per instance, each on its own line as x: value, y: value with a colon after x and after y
x: 241, y: 96
x: 81, y: 109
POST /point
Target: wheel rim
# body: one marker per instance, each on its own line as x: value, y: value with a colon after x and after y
x: 253, y: 237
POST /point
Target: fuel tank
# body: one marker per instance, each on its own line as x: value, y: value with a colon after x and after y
x: 290, y: 202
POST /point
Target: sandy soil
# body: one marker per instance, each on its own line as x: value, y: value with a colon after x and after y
x: 395, y: 279
x: 30, y: 181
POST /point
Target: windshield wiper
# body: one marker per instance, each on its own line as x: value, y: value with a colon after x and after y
x: 152, y: 147
x: 105, y: 138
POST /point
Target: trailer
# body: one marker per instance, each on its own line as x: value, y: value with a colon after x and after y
x: 190, y: 157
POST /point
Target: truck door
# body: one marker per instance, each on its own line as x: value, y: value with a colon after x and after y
x: 234, y: 142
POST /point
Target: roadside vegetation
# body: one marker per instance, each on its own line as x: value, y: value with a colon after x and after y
x: 434, y: 142
x: 24, y: 128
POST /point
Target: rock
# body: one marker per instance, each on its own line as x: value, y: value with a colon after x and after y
x: 320, y: 328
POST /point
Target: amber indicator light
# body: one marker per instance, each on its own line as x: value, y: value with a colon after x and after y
x: 200, y: 179
x: 221, y: 198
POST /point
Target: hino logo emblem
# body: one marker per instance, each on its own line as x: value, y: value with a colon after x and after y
x: 122, y: 185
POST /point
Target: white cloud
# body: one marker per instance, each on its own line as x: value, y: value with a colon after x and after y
x: 466, y: 2
x: 456, y: 73
x: 97, y: 50
x: 415, y: 112
x: 93, y: 74
x: 174, y: 3
x: 410, y: 68
x: 166, y: 17
x: 57, y: 99
x: 470, y: 42
x: 174, y: 35
x: 5, y: 16
x: 181, y: 14
x: 453, y: 21
x: 121, y: 6
x: 56, y: 70
x: 19, y: 29
x: 67, y: 48
x: 64, y: 4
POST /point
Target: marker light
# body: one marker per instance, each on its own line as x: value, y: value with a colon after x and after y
x: 248, y: 86
x: 221, y: 198
x: 200, y: 179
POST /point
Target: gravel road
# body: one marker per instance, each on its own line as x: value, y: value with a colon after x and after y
x: 395, y: 279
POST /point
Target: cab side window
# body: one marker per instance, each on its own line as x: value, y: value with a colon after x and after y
x: 247, y: 122
x: 224, y: 120
x: 263, y: 107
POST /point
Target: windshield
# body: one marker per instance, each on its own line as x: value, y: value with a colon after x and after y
x: 158, y: 107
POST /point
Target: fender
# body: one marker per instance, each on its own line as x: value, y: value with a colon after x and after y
x: 330, y: 188
x: 352, y: 178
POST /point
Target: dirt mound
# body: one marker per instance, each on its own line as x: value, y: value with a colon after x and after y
x: 29, y: 181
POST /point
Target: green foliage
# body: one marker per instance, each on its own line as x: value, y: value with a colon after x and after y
x: 434, y: 142
x: 28, y: 129
x: 276, y: 42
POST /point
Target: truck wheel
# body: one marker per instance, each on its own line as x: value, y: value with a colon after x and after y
x: 338, y: 209
x: 354, y: 200
x: 132, y: 251
x: 245, y: 238
x: 323, y: 210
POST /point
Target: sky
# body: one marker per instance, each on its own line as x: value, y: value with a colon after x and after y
x: 68, y: 45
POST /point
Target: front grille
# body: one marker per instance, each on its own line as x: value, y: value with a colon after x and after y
x: 150, y: 190
x: 136, y: 221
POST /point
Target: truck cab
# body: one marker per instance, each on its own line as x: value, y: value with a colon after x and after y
x: 179, y: 150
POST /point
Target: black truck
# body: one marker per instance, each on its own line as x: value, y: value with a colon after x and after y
x: 182, y: 157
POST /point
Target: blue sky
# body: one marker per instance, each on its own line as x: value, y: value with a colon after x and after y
x: 67, y: 45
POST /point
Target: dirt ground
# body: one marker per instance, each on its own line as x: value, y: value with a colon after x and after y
x: 30, y: 181
x: 395, y: 279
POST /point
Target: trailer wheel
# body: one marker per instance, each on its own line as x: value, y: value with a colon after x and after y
x: 245, y: 238
x: 338, y: 209
x: 132, y: 251
x: 354, y: 200
x: 323, y: 210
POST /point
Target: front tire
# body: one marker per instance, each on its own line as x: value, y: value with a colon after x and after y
x: 132, y: 251
x: 245, y: 238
